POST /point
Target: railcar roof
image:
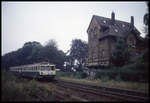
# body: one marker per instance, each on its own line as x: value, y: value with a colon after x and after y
x: 35, y: 64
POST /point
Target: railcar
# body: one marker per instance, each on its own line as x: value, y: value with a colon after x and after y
x: 36, y: 70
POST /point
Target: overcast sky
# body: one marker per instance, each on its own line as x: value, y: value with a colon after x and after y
x: 63, y: 21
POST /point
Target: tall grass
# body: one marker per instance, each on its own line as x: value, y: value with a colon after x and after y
x: 78, y: 75
x: 24, y: 91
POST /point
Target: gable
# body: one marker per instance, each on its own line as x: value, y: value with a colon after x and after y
x: 131, y: 39
x: 92, y: 25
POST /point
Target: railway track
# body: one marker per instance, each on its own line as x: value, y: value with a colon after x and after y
x: 90, y: 90
x: 113, y: 93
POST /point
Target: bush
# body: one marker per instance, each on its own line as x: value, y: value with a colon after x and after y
x: 133, y: 72
x: 10, y: 89
x: 78, y: 75
x: 130, y: 72
x: 7, y: 76
x: 104, y: 78
x: 118, y: 78
x: 32, y: 88
x: 83, y: 75
x: 28, y: 91
x: 64, y: 74
x: 109, y: 72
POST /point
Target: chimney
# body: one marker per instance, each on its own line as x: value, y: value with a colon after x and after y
x: 132, y: 21
x: 113, y: 17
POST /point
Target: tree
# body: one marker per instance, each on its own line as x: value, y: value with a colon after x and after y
x: 30, y: 52
x: 51, y: 54
x: 52, y: 43
x: 146, y: 39
x: 146, y: 21
x: 120, y: 54
x: 78, y: 51
x: 33, y: 52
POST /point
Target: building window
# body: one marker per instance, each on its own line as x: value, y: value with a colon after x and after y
x: 123, y: 25
x: 132, y: 42
x: 116, y: 30
x: 102, y: 53
x: 104, y: 21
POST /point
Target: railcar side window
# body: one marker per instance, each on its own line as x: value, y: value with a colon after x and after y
x: 48, y: 67
x: 53, y: 67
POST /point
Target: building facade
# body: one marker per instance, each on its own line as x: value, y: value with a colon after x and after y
x: 102, y: 36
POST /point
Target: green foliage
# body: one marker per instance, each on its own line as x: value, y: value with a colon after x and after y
x: 24, y: 91
x: 131, y: 72
x: 51, y: 43
x: 10, y: 89
x: 146, y: 17
x: 118, y: 78
x: 146, y: 27
x: 110, y: 72
x: 84, y: 75
x: 104, y: 78
x: 64, y: 74
x: 32, y: 88
x: 6, y: 76
x: 120, y: 54
x: 78, y: 75
x: 78, y: 51
x: 33, y: 52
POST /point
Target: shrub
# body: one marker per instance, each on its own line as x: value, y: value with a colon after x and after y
x: 104, y: 78
x: 72, y: 74
x: 32, y: 88
x: 7, y: 76
x: 98, y: 75
x: 64, y: 74
x: 133, y: 72
x: 83, y: 75
x: 78, y: 75
x: 130, y: 72
x: 118, y: 78
x: 109, y: 72
x: 13, y: 91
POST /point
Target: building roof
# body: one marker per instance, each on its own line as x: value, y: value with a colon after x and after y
x: 115, y: 28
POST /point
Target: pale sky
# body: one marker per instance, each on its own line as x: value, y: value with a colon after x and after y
x: 63, y: 21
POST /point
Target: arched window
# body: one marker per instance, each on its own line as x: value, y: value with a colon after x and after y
x: 103, y: 52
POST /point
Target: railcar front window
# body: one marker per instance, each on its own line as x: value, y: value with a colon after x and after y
x: 44, y: 68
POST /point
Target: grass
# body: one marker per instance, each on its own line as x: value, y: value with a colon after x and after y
x: 142, y: 87
x: 12, y: 90
x: 118, y: 78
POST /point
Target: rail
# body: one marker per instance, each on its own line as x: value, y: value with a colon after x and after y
x: 120, y: 94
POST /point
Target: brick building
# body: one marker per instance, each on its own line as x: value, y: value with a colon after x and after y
x: 102, y: 35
